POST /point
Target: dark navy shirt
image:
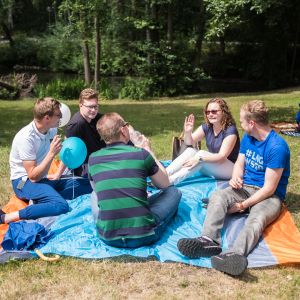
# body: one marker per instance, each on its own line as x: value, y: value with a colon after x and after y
x: 80, y: 127
x: 214, y: 142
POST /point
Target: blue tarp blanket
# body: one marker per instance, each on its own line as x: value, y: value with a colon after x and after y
x: 74, y: 234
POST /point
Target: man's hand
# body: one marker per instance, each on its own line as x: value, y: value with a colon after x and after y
x: 237, y: 207
x: 236, y: 182
x: 189, y: 124
x: 55, y: 145
x: 191, y: 163
x: 145, y: 144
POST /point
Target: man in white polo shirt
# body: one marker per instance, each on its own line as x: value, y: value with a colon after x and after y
x: 33, y: 150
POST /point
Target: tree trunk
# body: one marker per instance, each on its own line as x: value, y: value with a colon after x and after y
x: 222, y: 46
x: 7, y: 33
x: 294, y: 56
x: 10, y: 21
x: 148, y: 34
x: 86, y: 62
x: 170, y: 24
x: 154, y: 20
x: 97, y: 51
x: 200, y: 33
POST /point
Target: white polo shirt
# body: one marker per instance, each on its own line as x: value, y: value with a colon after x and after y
x: 29, y: 144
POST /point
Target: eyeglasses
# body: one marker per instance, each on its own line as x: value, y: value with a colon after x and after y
x: 95, y: 107
x: 126, y: 124
x: 213, y: 111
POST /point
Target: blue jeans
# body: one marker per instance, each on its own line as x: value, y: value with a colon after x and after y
x: 49, y: 196
x: 163, y: 206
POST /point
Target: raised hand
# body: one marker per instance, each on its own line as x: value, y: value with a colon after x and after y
x: 55, y: 145
x: 189, y: 124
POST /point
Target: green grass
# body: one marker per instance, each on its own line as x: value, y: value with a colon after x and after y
x: 120, y: 278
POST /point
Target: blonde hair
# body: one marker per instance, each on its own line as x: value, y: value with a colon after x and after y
x: 45, y: 106
x: 87, y: 94
x: 257, y: 111
x: 227, y: 119
x: 108, y: 127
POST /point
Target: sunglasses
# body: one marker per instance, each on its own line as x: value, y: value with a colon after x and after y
x: 213, y: 111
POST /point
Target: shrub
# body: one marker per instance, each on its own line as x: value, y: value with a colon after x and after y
x: 136, y: 88
x: 106, y: 89
x: 60, y: 89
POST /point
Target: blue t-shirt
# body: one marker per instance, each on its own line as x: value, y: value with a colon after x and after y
x: 214, y: 143
x: 271, y: 153
x: 298, y: 117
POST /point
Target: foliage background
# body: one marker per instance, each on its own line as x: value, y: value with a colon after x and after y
x: 162, y: 47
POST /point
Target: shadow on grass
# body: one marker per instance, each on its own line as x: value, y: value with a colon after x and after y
x: 293, y: 202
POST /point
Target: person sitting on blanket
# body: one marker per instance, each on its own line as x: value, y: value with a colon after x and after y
x: 259, y: 182
x: 33, y: 149
x: 298, y: 119
x: 83, y: 125
x: 222, y: 140
x: 126, y: 218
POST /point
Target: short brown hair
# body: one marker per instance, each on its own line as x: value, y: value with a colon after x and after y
x: 87, y: 94
x: 108, y: 127
x: 257, y: 111
x: 45, y: 106
x: 227, y: 119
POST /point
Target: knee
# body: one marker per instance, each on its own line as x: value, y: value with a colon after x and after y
x: 61, y: 207
x: 216, y: 196
x: 175, y: 192
x: 257, y: 224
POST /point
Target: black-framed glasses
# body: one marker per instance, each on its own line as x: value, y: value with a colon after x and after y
x: 126, y: 124
x: 213, y: 111
x: 96, y: 107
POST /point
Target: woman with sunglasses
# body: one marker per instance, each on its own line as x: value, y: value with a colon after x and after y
x: 222, y: 141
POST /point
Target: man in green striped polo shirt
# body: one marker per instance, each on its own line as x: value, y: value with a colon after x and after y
x: 126, y: 217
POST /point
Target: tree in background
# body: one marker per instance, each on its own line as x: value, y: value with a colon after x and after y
x: 160, y: 47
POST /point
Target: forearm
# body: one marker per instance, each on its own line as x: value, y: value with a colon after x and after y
x: 159, y: 164
x: 257, y: 197
x: 38, y: 172
x: 210, y: 157
x: 188, y: 139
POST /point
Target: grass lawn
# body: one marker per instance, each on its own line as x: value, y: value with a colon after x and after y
x: 120, y: 278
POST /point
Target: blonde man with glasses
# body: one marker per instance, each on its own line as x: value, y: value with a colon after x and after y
x: 33, y: 149
x: 83, y: 125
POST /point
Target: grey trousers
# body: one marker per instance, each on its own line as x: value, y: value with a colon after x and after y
x: 260, y: 216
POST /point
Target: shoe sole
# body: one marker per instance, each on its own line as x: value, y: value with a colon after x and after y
x: 233, y: 265
x: 192, y: 248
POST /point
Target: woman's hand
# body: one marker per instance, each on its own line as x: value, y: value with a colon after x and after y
x: 191, y: 163
x: 189, y: 124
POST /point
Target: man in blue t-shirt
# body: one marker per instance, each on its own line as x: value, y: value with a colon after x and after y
x: 258, y: 183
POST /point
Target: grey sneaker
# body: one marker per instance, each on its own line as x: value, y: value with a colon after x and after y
x: 230, y: 263
x: 198, y: 247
